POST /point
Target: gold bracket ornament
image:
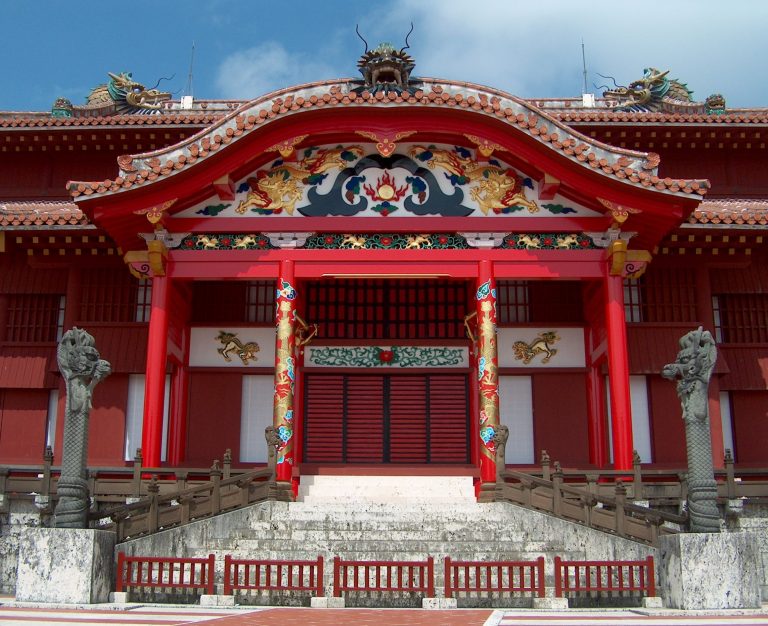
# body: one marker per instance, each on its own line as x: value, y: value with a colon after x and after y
x: 386, y: 144
x: 155, y: 214
x: 619, y: 212
x: 484, y: 147
x: 627, y: 263
x: 287, y: 148
x: 144, y: 264
x: 304, y: 333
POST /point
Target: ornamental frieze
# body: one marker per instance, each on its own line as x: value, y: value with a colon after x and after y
x: 387, y: 241
x: 548, y: 241
x: 415, y: 180
x: 394, y: 356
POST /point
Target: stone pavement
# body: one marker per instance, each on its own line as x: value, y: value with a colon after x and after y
x: 149, y: 615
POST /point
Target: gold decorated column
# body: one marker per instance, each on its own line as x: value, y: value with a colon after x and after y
x: 285, y: 371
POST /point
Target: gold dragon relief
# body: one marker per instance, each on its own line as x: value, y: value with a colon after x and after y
x: 283, y: 186
x: 494, y: 188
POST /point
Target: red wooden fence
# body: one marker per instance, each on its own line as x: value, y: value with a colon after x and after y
x: 273, y: 575
x: 599, y: 576
x: 386, y: 576
x: 494, y: 576
x: 164, y: 573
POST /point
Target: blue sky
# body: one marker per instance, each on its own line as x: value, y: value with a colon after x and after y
x: 244, y: 49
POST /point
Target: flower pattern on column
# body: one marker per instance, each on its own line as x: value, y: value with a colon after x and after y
x: 487, y: 374
x: 285, y: 376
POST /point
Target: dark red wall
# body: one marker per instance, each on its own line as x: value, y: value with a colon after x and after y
x: 106, y: 440
x: 214, y: 417
x: 560, y: 417
x: 750, y: 425
x: 667, y: 427
x: 23, y: 415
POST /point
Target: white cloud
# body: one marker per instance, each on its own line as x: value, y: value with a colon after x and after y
x: 533, y: 49
x: 267, y: 67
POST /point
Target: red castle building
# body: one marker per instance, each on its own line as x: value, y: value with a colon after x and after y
x: 385, y: 270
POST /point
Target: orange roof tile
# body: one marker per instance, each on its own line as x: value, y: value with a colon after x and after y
x: 725, y: 212
x: 638, y: 168
x: 41, y: 214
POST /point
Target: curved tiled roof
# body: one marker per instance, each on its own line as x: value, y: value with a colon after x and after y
x: 638, y: 168
x: 185, y: 117
x: 748, y: 116
x: 41, y: 214
x: 738, y: 212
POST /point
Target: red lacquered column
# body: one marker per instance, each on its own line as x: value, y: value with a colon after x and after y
x: 154, y: 390
x: 487, y: 370
x: 285, y: 370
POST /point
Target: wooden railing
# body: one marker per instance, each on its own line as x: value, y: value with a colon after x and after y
x: 476, y: 577
x: 384, y: 576
x: 158, y: 512
x: 164, y: 573
x: 614, y: 514
x: 273, y: 575
x: 604, y: 576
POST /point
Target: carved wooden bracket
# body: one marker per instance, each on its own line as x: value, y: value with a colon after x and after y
x: 619, y: 212
x: 144, y: 264
x: 627, y: 263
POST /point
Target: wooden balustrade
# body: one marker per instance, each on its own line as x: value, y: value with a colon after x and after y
x: 612, y: 514
x: 273, y: 575
x: 384, y: 576
x: 604, y: 577
x: 476, y: 577
x: 164, y: 573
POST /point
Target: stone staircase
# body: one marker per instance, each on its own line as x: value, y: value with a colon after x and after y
x: 380, y: 527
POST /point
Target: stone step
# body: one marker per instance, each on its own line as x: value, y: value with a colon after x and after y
x: 424, y: 534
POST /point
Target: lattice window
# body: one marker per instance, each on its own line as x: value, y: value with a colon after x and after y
x: 388, y: 309
x: 143, y: 300
x: 260, y: 302
x: 667, y: 295
x: 110, y: 294
x: 35, y: 318
x: 513, y: 305
x: 741, y: 317
x: 633, y: 301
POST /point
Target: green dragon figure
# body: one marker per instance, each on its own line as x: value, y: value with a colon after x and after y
x: 120, y: 96
x: 656, y: 93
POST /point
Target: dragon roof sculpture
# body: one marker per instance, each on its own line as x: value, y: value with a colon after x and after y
x: 657, y: 93
x: 385, y: 68
x: 120, y: 96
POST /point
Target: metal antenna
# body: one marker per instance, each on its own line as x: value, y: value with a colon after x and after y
x: 191, y: 64
x: 584, y: 65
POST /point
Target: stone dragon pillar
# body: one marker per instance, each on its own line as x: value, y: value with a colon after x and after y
x: 82, y: 369
x: 693, y: 368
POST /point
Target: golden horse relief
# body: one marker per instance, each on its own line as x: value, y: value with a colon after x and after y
x: 245, y: 351
x: 525, y: 352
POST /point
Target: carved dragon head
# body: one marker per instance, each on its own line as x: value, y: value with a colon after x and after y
x: 127, y: 95
x: 639, y: 94
x: 385, y: 68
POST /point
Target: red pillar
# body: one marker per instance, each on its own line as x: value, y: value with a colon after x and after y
x: 177, y: 424
x: 618, y: 373
x: 596, y: 425
x: 285, y: 371
x: 154, y: 390
x: 487, y: 370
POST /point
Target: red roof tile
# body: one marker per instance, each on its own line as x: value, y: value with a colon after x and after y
x: 41, y: 214
x: 634, y: 167
x: 725, y: 212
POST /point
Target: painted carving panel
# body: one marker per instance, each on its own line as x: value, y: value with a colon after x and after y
x: 232, y: 347
x: 418, y: 179
x: 545, y: 347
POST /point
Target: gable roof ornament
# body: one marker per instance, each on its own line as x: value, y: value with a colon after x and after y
x: 385, y: 69
x: 655, y: 92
